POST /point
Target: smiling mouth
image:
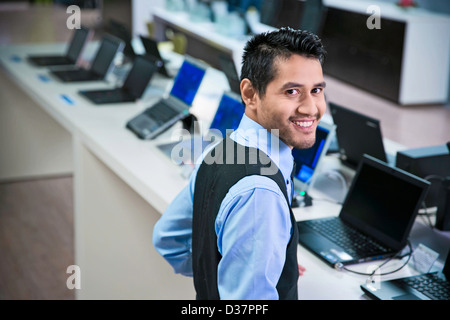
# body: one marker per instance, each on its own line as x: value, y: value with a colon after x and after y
x: 304, y: 123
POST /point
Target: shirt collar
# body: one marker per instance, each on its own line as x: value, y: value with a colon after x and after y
x: 252, y: 134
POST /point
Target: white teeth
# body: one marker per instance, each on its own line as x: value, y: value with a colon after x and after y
x: 303, y: 124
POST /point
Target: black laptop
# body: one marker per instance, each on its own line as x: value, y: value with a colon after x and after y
x: 167, y: 111
x: 357, y: 134
x: 79, y: 39
x: 101, y: 64
x: 375, y: 219
x: 132, y: 89
x: 229, y: 69
x: 121, y: 31
x: 151, y: 49
x: 427, y: 286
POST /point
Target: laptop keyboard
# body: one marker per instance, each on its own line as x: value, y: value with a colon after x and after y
x: 161, y: 112
x: 52, y: 60
x: 429, y: 284
x: 107, y: 96
x: 77, y: 75
x: 352, y: 241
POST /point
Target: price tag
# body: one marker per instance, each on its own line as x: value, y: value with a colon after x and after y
x: 423, y: 258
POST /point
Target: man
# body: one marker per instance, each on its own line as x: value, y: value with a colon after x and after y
x: 232, y: 227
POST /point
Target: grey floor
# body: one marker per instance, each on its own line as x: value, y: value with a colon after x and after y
x: 36, y: 216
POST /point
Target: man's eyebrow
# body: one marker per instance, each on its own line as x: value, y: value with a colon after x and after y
x: 295, y: 84
x: 322, y: 84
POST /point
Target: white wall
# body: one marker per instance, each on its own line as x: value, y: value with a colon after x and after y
x: 141, y: 13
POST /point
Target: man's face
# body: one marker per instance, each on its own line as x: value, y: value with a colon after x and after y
x: 294, y: 101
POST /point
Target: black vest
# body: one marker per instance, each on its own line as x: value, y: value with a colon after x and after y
x: 220, y: 170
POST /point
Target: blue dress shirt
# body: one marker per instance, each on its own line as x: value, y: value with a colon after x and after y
x: 253, y: 225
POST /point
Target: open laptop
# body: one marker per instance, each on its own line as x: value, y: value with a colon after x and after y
x: 167, y: 111
x: 121, y: 31
x: 79, y: 39
x: 101, y: 64
x: 427, y: 286
x: 228, y: 116
x: 228, y: 67
x: 375, y: 219
x: 133, y: 87
x: 357, y: 134
x: 308, y: 160
x: 151, y: 49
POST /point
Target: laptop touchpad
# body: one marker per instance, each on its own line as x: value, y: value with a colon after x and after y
x: 407, y: 296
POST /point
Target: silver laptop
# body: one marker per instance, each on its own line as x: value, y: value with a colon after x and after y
x: 167, y: 111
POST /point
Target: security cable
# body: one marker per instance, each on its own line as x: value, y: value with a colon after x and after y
x: 340, y: 266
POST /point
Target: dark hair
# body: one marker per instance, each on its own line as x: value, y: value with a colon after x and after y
x: 261, y: 51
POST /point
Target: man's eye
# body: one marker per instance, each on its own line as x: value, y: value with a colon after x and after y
x: 292, y: 91
x: 317, y: 90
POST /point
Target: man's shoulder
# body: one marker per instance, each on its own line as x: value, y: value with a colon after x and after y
x: 256, y: 184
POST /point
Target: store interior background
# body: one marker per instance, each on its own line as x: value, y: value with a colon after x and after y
x: 36, y: 216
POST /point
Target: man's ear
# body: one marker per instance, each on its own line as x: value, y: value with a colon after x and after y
x: 248, y: 94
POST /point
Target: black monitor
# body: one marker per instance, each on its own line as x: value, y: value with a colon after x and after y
x: 431, y: 163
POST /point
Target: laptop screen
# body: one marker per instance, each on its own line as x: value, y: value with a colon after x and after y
x: 77, y: 43
x: 121, y: 31
x: 383, y: 201
x: 357, y: 134
x: 139, y: 76
x: 151, y: 47
x: 306, y: 160
x: 105, y: 55
x: 228, y: 114
x: 228, y: 67
x: 187, y: 82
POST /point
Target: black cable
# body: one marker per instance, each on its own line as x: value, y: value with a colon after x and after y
x: 434, y: 177
x: 427, y: 215
x: 409, y: 254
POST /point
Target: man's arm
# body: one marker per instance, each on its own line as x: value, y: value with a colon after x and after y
x: 172, y: 234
